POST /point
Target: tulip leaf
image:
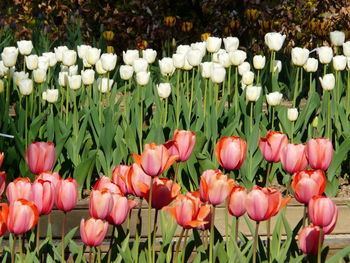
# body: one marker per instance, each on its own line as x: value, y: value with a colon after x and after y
x: 83, y: 171
x: 339, y: 256
x: 338, y: 157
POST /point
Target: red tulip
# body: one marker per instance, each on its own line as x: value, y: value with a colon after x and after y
x: 4, y: 211
x: 120, y: 178
x: 321, y: 210
x: 100, y: 204
x: 93, y: 231
x: 105, y: 182
x: 40, y: 157
x: 155, y: 159
x: 214, y: 186
x: 23, y: 216
x: 181, y: 144
x: 308, y: 239
x: 121, y: 209
x: 293, y: 158
x: 137, y: 176
x: 2, y: 157
x: 308, y: 183
x: 236, y: 201
x: 20, y: 188
x: 230, y: 152
x: 272, y: 145
x: 2, y: 182
x: 164, y: 191
x: 319, y: 152
x: 329, y: 228
x: 43, y: 196
x: 67, y: 194
x: 189, y: 211
x: 53, y: 177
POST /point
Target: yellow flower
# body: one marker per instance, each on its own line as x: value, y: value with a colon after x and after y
x: 170, y: 21
x: 186, y: 26
x: 252, y: 14
x: 204, y: 36
x: 108, y: 35
x: 110, y: 49
x: 142, y: 45
x: 235, y: 24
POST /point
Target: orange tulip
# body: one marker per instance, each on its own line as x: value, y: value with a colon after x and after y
x: 181, y: 144
x: 272, y: 145
x: 135, y: 177
x: 121, y: 209
x: 4, y: 211
x: 120, y: 178
x: 2, y: 182
x: 230, y: 152
x: 2, y: 156
x: 236, y: 201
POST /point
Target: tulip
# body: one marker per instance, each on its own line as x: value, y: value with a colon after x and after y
x: 253, y: 93
x: 120, y: 177
x: 230, y: 152
x: 9, y: 56
x: 100, y: 203
x: 155, y: 159
x: 23, y: 216
x: 271, y: 146
x: 51, y: 57
x: 126, y: 72
x: 149, y: 55
x: 164, y: 191
x: 337, y: 38
x: 201, y: 46
x: 39, y: 75
x: 321, y: 210
x: 339, y: 62
x: 292, y: 114
x: 129, y: 56
x: 308, y: 239
x: 183, y: 49
x: 121, y: 209
x: 274, y: 98
x: 311, y: 65
x: 59, y: 52
x: 236, y: 201
x: 74, y: 82
x: 93, y: 231
x: 179, y: 60
x: 213, y: 44
x: 329, y: 228
x: 108, y: 61
x: 104, y: 84
x: 4, y: 211
x: 319, y: 153
x: 2, y: 157
x: 293, y: 158
x: 52, y: 177
x: 259, y: 62
x: 164, y: 90
x: 327, y: 82
x: 325, y: 54
x: 18, y: 76
x: 31, y: 62
x: 194, y: 57
x: 3, y: 69
x: 277, y: 66
x: 231, y: 43
x: 244, y: 67
x: 346, y: 48
x: 67, y: 194
x: 2, y: 181
x: 93, y: 55
x: 43, y: 196
x: 237, y: 57
x: 62, y: 79
x: 40, y: 157
x: 224, y: 60
x: 299, y: 56
x: 187, y: 66
x: 105, y: 182
x: 88, y: 76
x: 206, y: 69
x: 69, y: 57
x: 82, y: 51
x: 308, y: 183
x: 181, y: 144
x: 25, y: 47
x: 140, y: 65
x: 214, y: 187
x: 166, y: 66
x: 73, y: 70
x: 142, y: 78
x: 20, y: 188
x: 248, y: 78
x: 25, y: 86
x: 137, y: 176
x: 274, y: 41
x: 348, y: 62
x: 217, y: 74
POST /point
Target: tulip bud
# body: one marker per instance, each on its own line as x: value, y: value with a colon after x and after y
x: 337, y: 38
x: 39, y: 75
x: 62, y: 78
x: 178, y: 60
x: 274, y: 98
x: 194, y: 57
x: 140, y: 65
x: 166, y: 66
x: 69, y: 58
x: 164, y: 90
x: 66, y: 194
x: 244, y: 67
x: 26, y: 86
x: 126, y: 72
x: 59, y: 52
x: 93, y: 231
x: 150, y: 55
x: 99, y: 69
x: 218, y: 73
x: 25, y: 47
x: 142, y: 78
x: 51, y: 57
x: 237, y: 57
x: 3, y: 69
x: 182, y: 49
x: 82, y: 51
x: 292, y: 114
x: 308, y: 239
x: 52, y: 95
x: 315, y: 122
x: 88, y: 76
x: 325, y: 54
x: 274, y: 41
x: 231, y: 43
x: 31, y: 62
x: 311, y: 65
x: 43, y: 196
x: 213, y: 44
x: 74, y: 82
x: 253, y: 93
x: 299, y: 56
x: 346, y: 48
x: 339, y: 62
x: 129, y: 56
x: 9, y: 56
x: 259, y: 62
x: 327, y: 82
x: 236, y: 201
x: 100, y: 203
x: 277, y: 66
x: 248, y: 78
x: 104, y: 84
x: 206, y: 69
x: 108, y: 61
x: 93, y: 55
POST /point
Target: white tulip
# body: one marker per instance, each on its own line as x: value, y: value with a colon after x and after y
x: 43, y: 63
x: 178, y: 60
x: 74, y: 82
x: 346, y: 48
x: 206, y: 69
x: 9, y: 56
x: 82, y: 51
x: 252, y: 93
x: 140, y: 65
x: 339, y: 62
x: 292, y: 114
x: 25, y: 47
x: 224, y: 60
x: 88, y: 76
x: 142, y: 78
x: 213, y: 44
x: 39, y: 75
x: 337, y: 38
x: 182, y: 49
x: 327, y: 82
x: 62, y: 78
x: 129, y: 56
x: 348, y: 62
x: 166, y: 66
x: 218, y: 73
x: 231, y: 43
x: 73, y: 70
x: 164, y: 90
x: 248, y: 78
x: 201, y: 46
x: 3, y: 69
x: 126, y: 72
x: 25, y: 86
x: 244, y: 67
x: 259, y: 62
x: 237, y: 57
x: 299, y: 56
x: 187, y: 66
x: 93, y: 55
x: 150, y: 55
x: 51, y: 57
x: 277, y: 66
x: 102, y: 84
x: 59, y: 52
x: 274, y: 41
x: 194, y: 57
x: 51, y: 95
x: 18, y: 76
x: 31, y: 62
x: 311, y: 65
x: 99, y: 68
x: 215, y: 56
x: 274, y: 98
x: 325, y: 54
x: 108, y: 61
x: 86, y: 63
x: 69, y: 57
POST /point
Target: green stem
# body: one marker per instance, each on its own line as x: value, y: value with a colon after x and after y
x: 236, y: 230
x: 226, y: 224
x: 191, y: 95
x: 26, y: 123
x: 67, y: 102
x: 98, y: 254
x: 90, y: 254
x: 292, y: 132
x: 301, y: 79
x: 319, y: 250
x: 348, y: 95
x: 256, y: 236
x: 324, y: 69
x: 178, y: 99
x: 251, y: 117
x: 176, y: 171
x: 187, y: 85
x: 154, y: 235
x: 273, y: 118
x: 178, y: 245
x: 296, y: 87
x: 228, y: 87
x: 150, y: 223
x: 184, y: 246
x: 268, y: 229
x: 269, y: 166
x: 165, y: 112
x: 216, y: 90
x: 125, y: 105
x: 258, y: 78
x: 62, y: 239
x: 205, y: 95
x: 141, y: 117
x: 13, y: 253
x: 211, y: 244
x: 20, y: 243
x: 311, y: 89
x: 235, y: 103
x: 110, y: 245
x: 328, y: 114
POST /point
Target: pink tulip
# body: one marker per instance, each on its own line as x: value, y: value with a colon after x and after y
x: 293, y: 158
x: 155, y: 159
x: 121, y: 209
x: 272, y: 145
x: 321, y: 210
x: 120, y: 178
x: 181, y: 144
x: 53, y: 177
x: 100, y: 204
x: 43, y: 196
x: 214, y: 186
x: 23, y: 216
x: 2, y: 182
x: 308, y: 239
x: 67, y: 194
x: 20, y: 188
x: 4, y: 212
x: 164, y: 191
x: 329, y: 228
x: 319, y: 152
x: 40, y: 157
x: 230, y: 152
x: 308, y: 183
x: 136, y: 177
x: 236, y: 201
x: 93, y: 231
x: 105, y: 182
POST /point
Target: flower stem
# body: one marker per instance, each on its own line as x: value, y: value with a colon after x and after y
x: 165, y: 112
x: 251, y: 117
x: 268, y: 229
x: 216, y: 90
x: 226, y: 224
x: 205, y: 95
x: 236, y: 230
x: 255, y: 241
x: 178, y: 244
x: 90, y: 255
x: 67, y: 101
x: 38, y: 234
x: 235, y: 103
x: 348, y: 95
x: 292, y: 132
x: 176, y: 171
x: 154, y: 235
x: 319, y: 250
x: 110, y: 245
x: 98, y: 254
x: 269, y: 166
x: 304, y: 215
x: 178, y: 99
x: 211, y: 241
x: 26, y: 124
x: 150, y: 223
x: 13, y: 253
x: 228, y: 87
x: 273, y: 118
x: 296, y: 87
x: 184, y: 247
x: 62, y: 240
x: 311, y: 89
x: 191, y: 95
x: 329, y: 115
x: 125, y: 105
